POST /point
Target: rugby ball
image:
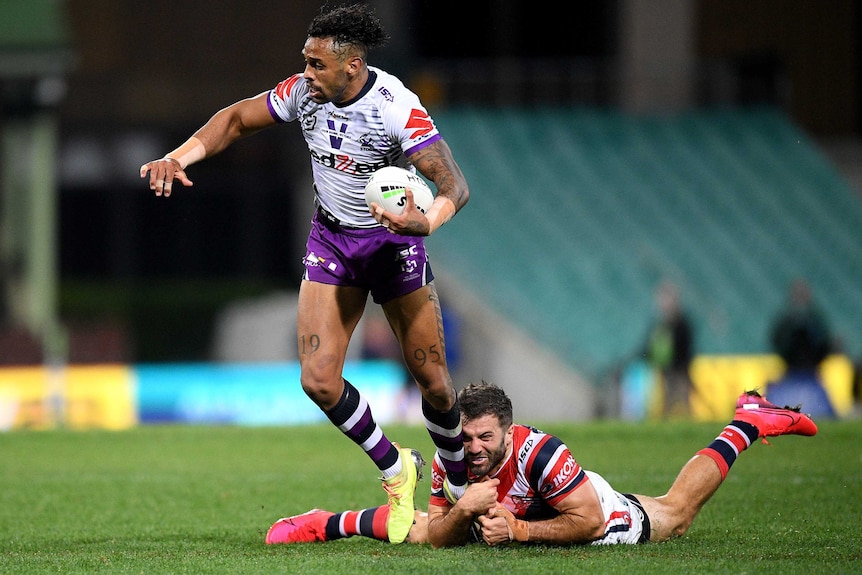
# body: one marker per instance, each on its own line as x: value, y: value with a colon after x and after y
x: 386, y: 188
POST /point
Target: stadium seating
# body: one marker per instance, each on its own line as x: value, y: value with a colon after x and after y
x: 576, y: 215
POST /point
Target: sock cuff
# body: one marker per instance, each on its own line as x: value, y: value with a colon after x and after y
x: 346, y: 406
x: 450, y: 419
x: 748, y: 429
x: 723, y: 466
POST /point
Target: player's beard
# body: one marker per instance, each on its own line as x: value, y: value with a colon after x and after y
x: 490, y: 462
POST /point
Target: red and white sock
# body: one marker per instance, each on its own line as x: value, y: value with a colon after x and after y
x: 366, y: 522
x: 733, y: 440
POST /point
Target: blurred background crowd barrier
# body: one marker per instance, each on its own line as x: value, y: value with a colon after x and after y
x: 610, y: 147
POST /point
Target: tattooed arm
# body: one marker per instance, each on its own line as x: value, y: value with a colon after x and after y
x: 436, y: 163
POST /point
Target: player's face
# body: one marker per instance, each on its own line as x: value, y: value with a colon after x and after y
x: 485, y: 444
x: 326, y: 75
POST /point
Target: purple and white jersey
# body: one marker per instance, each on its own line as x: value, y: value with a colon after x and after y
x: 380, y: 127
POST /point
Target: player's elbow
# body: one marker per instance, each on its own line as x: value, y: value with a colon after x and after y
x: 434, y: 537
x: 442, y: 533
x: 464, y: 196
x: 593, y: 528
x: 571, y: 529
x: 586, y: 528
x: 439, y: 541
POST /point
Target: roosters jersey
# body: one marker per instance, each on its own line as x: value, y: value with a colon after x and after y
x: 383, y: 125
x: 538, y: 473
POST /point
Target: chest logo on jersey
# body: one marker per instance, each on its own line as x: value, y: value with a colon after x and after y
x: 346, y: 163
x: 309, y: 121
x: 525, y: 450
x: 336, y: 133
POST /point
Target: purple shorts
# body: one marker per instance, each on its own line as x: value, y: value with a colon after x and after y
x: 386, y: 264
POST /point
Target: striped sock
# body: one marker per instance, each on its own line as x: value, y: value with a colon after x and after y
x: 734, y: 439
x: 352, y: 415
x: 367, y: 523
x: 445, y: 430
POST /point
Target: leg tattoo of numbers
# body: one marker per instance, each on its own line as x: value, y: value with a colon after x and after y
x: 309, y: 344
x: 435, y: 353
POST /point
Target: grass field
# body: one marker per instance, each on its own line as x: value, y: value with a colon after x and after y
x: 199, y: 500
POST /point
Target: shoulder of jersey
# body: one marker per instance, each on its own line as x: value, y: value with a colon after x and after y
x: 388, y: 87
x: 286, y: 87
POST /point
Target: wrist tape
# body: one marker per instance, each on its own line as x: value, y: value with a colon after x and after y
x: 190, y: 152
x: 441, y: 211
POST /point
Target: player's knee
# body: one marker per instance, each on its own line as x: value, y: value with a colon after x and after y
x: 681, y: 526
x: 321, y: 381
x: 324, y: 395
x: 680, y: 530
x: 667, y: 520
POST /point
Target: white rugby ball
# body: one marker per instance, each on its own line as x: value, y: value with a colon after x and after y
x: 386, y: 188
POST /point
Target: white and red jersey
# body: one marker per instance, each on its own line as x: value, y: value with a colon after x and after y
x: 383, y: 125
x: 538, y: 472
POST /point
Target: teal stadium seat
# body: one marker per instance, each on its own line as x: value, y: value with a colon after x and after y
x: 577, y: 214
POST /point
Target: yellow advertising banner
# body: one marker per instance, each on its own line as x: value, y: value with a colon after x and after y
x: 718, y: 380
x: 76, y: 397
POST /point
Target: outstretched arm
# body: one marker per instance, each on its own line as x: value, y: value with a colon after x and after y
x: 229, y: 124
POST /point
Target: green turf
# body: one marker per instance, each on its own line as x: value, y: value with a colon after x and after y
x: 199, y: 500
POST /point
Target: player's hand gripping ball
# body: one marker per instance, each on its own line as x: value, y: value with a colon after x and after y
x: 386, y: 188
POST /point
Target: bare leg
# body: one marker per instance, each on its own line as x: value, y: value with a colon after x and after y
x: 327, y: 318
x: 672, y: 514
x: 417, y: 321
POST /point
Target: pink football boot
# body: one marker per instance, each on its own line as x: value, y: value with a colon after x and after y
x: 771, y: 420
x: 305, y: 528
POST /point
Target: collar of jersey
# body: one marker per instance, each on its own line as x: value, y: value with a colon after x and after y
x: 372, y: 77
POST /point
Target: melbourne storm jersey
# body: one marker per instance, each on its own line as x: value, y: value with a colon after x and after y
x: 348, y: 142
x: 539, y: 472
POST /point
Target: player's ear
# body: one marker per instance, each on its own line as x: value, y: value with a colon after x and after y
x: 354, y: 65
